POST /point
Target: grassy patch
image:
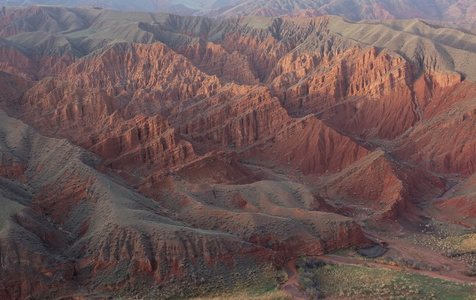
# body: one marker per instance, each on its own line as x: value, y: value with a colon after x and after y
x: 264, y: 285
x: 271, y: 295
x: 261, y: 290
x: 372, y: 282
x: 447, y: 239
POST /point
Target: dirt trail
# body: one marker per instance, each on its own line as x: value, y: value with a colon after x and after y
x: 292, y: 286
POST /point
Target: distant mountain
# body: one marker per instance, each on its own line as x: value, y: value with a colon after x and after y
x: 458, y: 11
x: 183, y: 7
x: 138, y: 5
x: 444, y: 10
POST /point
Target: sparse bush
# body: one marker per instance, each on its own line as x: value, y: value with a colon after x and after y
x: 417, y: 265
x: 309, y: 263
x: 468, y: 273
x: 434, y: 269
x: 306, y: 266
x: 455, y: 254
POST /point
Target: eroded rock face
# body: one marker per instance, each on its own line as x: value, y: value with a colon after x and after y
x: 311, y: 147
x: 68, y: 224
x: 174, y: 149
x: 142, y: 141
x: 445, y: 140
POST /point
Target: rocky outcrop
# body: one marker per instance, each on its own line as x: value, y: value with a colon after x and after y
x: 342, y: 90
x: 143, y: 80
x: 238, y: 117
x: 213, y: 59
x: 143, y: 141
x: 381, y: 187
x: 444, y: 140
x: 126, y: 68
x: 312, y: 147
x: 372, y: 183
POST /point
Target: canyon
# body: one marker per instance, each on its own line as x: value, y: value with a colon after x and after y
x: 148, y: 154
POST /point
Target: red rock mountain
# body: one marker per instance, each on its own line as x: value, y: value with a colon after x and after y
x: 150, y: 149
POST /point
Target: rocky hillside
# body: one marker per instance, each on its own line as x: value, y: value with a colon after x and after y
x: 151, y: 148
